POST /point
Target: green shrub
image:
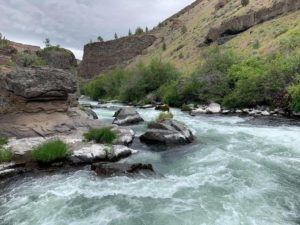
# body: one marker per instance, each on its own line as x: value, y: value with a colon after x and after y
x: 245, y: 2
x: 183, y: 29
x: 6, y: 155
x: 29, y: 59
x: 256, y: 44
x: 139, y: 31
x: 164, y: 116
x: 50, y: 151
x: 145, y: 79
x: 106, y: 86
x: 294, y: 93
x: 164, y: 46
x: 103, y: 135
x: 3, y: 141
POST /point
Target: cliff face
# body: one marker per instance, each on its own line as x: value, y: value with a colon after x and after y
x: 102, y: 56
x: 241, y: 23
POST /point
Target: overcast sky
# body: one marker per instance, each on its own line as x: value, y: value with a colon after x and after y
x: 73, y: 23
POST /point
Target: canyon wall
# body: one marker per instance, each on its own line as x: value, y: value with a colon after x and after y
x: 240, y: 24
x: 102, y: 56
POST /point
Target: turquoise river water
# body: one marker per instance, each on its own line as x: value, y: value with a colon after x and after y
x: 236, y: 173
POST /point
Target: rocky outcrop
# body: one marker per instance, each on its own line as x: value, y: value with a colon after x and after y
x: 59, y: 58
x: 240, y: 24
x: 36, y: 89
x: 23, y: 47
x: 122, y: 169
x: 127, y: 116
x: 169, y: 132
x: 102, y: 56
x: 97, y: 153
x: 213, y: 108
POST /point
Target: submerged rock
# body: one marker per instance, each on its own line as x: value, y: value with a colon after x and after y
x: 164, y: 108
x: 91, y: 113
x: 169, y: 132
x: 121, y: 169
x: 127, y: 116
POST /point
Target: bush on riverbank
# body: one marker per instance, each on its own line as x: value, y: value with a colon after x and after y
x: 225, y: 76
x: 6, y: 154
x: 3, y: 141
x: 103, y: 135
x: 134, y: 84
x: 50, y: 151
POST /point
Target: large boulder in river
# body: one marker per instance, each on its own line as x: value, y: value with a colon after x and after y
x: 121, y: 169
x: 127, y: 116
x: 100, y: 153
x: 169, y: 132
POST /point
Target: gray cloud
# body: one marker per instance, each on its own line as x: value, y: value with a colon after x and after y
x: 73, y: 23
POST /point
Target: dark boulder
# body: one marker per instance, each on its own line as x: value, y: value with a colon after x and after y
x: 168, y: 132
x: 164, y: 108
x: 122, y: 169
x: 127, y: 116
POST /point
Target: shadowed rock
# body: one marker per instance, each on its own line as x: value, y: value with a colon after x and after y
x: 121, y: 169
x: 169, y: 132
x: 127, y: 116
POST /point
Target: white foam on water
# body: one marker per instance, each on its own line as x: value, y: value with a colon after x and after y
x: 236, y: 173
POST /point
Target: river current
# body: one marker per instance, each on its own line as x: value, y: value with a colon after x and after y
x: 236, y: 173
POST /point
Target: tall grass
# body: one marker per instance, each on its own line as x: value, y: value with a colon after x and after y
x: 103, y: 135
x: 50, y: 151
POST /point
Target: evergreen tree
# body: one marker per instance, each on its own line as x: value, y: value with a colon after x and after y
x: 100, y: 39
x: 146, y: 30
x: 139, y: 31
x: 129, y: 33
x: 47, y: 43
x: 116, y: 36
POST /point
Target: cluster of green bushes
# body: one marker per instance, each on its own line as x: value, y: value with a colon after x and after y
x: 26, y: 59
x: 134, y: 84
x: 6, y: 154
x: 225, y: 76
x: 50, y: 151
x: 103, y: 136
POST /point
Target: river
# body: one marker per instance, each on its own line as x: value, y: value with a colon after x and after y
x: 236, y: 173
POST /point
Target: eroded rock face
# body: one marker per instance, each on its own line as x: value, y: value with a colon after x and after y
x: 169, y: 132
x: 121, y: 169
x: 102, y: 56
x: 127, y: 116
x: 36, y: 89
x: 239, y: 24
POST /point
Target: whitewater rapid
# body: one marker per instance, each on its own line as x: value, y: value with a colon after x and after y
x: 237, y: 172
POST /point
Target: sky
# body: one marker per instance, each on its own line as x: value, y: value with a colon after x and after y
x: 73, y: 23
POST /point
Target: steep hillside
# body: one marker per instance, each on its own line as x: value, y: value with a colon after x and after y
x: 185, y: 34
x: 238, y: 55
